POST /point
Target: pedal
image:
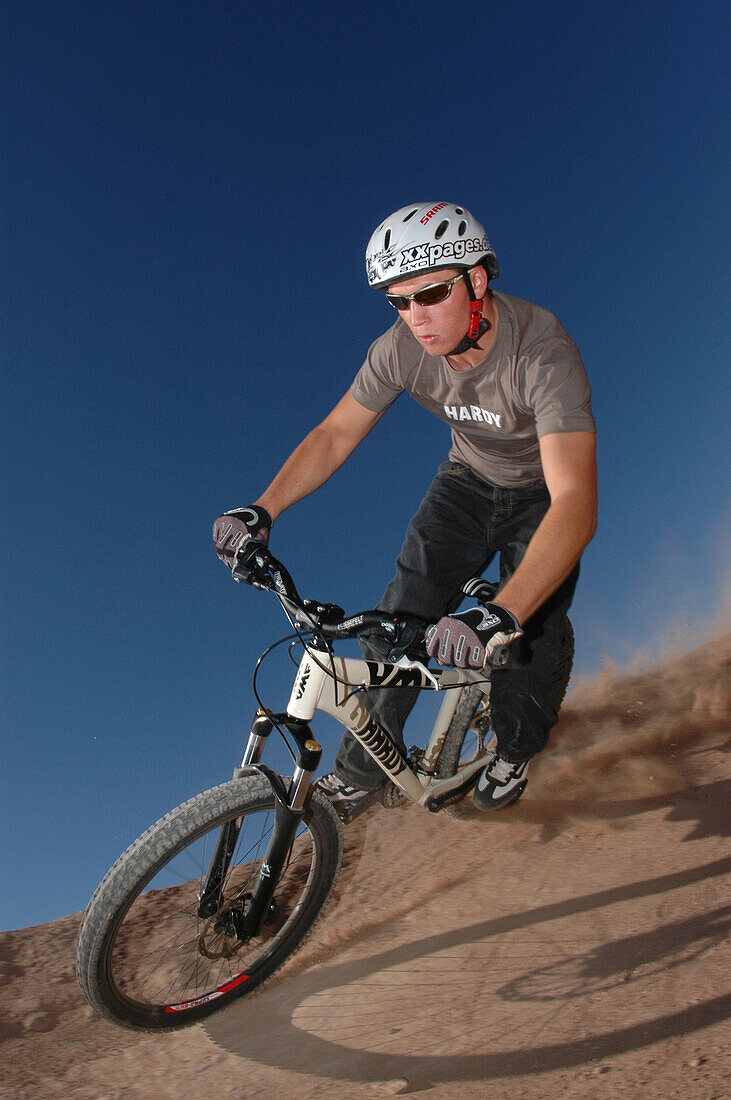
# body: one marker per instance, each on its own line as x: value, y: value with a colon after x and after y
x: 348, y: 811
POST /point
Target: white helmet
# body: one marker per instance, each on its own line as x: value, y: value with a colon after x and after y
x: 427, y: 236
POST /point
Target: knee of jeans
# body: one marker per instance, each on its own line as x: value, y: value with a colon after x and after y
x: 521, y: 715
x: 539, y: 663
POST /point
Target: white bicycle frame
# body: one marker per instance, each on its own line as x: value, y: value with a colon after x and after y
x: 331, y: 685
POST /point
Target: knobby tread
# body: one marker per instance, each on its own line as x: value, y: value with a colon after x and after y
x: 123, y: 882
x: 462, y: 808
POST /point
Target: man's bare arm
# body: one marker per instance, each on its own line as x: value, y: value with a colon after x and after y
x: 319, y: 455
x: 569, y: 467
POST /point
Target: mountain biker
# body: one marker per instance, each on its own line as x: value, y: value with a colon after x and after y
x: 520, y: 481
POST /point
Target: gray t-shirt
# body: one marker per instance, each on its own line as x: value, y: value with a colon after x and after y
x: 531, y: 383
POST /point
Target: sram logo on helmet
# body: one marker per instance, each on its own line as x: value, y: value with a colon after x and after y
x: 434, y: 210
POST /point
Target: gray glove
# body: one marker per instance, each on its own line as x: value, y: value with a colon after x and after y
x: 467, y: 640
x: 234, y: 528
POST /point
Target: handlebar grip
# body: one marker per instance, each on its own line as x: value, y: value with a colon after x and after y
x: 250, y: 562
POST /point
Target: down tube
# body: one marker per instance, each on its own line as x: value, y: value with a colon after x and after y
x: 349, y: 709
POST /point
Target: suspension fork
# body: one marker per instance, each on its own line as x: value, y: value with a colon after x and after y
x: 209, y: 900
x: 289, y: 807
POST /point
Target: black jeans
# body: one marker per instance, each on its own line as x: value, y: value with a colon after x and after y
x: 460, y: 526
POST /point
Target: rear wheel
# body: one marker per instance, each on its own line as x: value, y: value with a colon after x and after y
x: 145, y: 957
x: 467, y: 739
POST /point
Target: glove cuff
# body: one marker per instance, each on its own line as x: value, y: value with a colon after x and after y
x: 254, y: 511
x: 507, y: 617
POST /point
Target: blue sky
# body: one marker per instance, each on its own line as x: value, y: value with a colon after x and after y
x: 187, y: 192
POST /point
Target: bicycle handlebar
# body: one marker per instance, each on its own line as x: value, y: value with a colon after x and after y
x: 256, y: 565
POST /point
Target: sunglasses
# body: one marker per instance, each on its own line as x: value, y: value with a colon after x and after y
x: 429, y: 296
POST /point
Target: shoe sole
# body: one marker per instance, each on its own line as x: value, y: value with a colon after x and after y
x: 503, y: 805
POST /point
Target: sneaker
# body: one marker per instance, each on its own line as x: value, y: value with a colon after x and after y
x: 339, y: 790
x: 501, y: 783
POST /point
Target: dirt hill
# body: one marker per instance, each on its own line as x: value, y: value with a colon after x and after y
x: 574, y: 945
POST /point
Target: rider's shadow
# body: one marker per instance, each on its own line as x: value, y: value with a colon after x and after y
x: 368, y: 1019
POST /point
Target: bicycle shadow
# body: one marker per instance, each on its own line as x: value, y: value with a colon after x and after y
x: 290, y: 1029
x: 705, y: 808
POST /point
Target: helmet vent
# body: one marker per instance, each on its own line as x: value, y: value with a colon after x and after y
x: 387, y: 239
x: 461, y: 229
x: 411, y: 214
x: 458, y: 210
x: 441, y: 230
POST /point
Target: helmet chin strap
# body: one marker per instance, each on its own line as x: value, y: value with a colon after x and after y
x: 479, y: 325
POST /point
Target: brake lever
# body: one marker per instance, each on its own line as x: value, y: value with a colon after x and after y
x: 405, y: 663
x: 251, y: 563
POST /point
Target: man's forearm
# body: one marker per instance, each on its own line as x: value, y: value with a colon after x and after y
x: 309, y: 466
x: 552, y: 553
x: 319, y: 455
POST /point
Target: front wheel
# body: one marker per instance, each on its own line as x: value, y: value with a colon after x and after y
x: 147, y: 960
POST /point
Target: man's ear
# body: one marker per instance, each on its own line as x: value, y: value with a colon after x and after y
x: 478, y: 277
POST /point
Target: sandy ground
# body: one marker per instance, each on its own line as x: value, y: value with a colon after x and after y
x: 574, y: 945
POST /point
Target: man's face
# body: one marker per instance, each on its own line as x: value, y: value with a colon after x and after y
x: 438, y: 328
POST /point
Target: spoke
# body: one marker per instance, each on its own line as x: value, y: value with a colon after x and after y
x: 166, y: 954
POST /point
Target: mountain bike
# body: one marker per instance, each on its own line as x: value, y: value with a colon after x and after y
x: 212, y: 899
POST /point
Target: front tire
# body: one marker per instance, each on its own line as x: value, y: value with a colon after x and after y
x: 146, y: 960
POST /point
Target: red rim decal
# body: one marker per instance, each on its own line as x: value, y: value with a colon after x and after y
x: 184, y: 1006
